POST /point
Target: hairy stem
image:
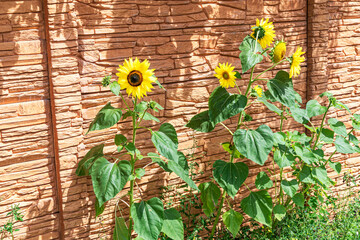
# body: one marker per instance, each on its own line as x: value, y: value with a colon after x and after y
x: 321, y: 125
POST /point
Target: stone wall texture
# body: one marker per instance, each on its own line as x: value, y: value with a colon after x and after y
x: 54, y: 53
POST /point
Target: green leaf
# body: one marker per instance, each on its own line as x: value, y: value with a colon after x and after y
x: 230, y: 176
x: 283, y: 159
x: 223, y: 105
x: 237, y: 75
x: 159, y: 84
x: 337, y: 126
x: 305, y: 175
x: 169, y: 131
x: 230, y: 149
x: 98, y: 209
x: 279, y: 212
x: 139, y: 173
x: 173, y: 226
x: 201, y: 122
x: 182, y: 173
x: 107, y: 117
x: 210, y: 194
x: 121, y: 232
x: 86, y: 163
x: 299, y: 114
x: 120, y: 139
x: 115, y: 88
x: 148, y: 218
x: 106, y: 178
x: 149, y: 117
x: 327, y: 135
x: 299, y: 199
x: 356, y: 121
x: 281, y: 88
x: 290, y: 187
x: 254, y: 144
x: 342, y: 145
x: 182, y: 161
x: 320, y: 174
x: 156, y: 158
x: 232, y: 221
x: 258, y: 205
x: 336, y: 166
x: 305, y: 154
x: 248, y: 56
x: 263, y: 181
x: 270, y: 106
x: 313, y: 108
x: 165, y: 145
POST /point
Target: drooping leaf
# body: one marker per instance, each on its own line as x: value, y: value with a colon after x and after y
x: 230, y: 176
x: 299, y: 200
x: 165, y: 145
x: 313, y: 108
x: 121, y: 232
x: 254, y: 144
x: 336, y: 166
x: 290, y: 187
x: 156, y: 158
x: 223, y: 105
x: 258, y: 205
x: 173, y: 225
x: 86, y: 163
x: 232, y: 221
x: 98, y: 209
x: 299, y: 114
x: 281, y: 88
x: 106, y: 178
x: 342, y: 145
x: 120, y: 139
x: 107, y: 117
x: 337, y: 126
x: 148, y: 218
x: 210, y: 194
x: 249, y: 53
x: 263, y: 181
x: 279, y: 212
x: 182, y: 161
x: 182, y: 173
x: 270, y: 106
x: 201, y: 122
x: 149, y: 117
x: 169, y: 131
x: 327, y: 135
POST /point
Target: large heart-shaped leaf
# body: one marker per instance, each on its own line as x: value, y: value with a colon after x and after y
x: 230, y: 176
x: 258, y: 205
x: 210, y: 194
x: 173, y: 226
x: 201, y: 122
x: 107, y: 179
x: 121, y: 232
x: 313, y: 108
x: 290, y: 187
x: 254, y: 144
x: 249, y: 53
x: 148, y: 218
x: 165, y: 141
x: 305, y: 175
x: 86, y: 163
x: 299, y: 199
x: 107, y: 117
x: 281, y: 88
x: 320, y: 174
x: 232, y: 221
x: 223, y: 105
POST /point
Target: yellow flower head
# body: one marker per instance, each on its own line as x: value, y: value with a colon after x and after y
x: 258, y: 90
x: 264, y: 32
x: 278, y: 52
x: 136, y: 77
x: 296, y: 59
x: 225, y: 74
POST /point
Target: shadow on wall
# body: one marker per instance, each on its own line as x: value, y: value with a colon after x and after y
x: 27, y: 158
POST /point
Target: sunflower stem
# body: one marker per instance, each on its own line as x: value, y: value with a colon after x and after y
x: 257, y: 77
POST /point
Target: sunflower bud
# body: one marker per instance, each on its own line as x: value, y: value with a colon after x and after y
x: 278, y: 51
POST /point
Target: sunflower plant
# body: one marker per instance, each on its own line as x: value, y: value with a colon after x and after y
x: 295, y: 165
x: 110, y: 173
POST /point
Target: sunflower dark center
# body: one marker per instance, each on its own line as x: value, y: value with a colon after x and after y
x: 259, y: 32
x: 135, y: 78
x: 226, y: 75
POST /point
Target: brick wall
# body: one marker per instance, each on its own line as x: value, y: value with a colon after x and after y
x: 54, y: 53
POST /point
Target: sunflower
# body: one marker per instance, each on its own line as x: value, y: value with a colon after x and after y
x: 225, y: 74
x: 264, y: 32
x: 136, y: 77
x: 258, y: 90
x: 278, y: 52
x: 295, y: 61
